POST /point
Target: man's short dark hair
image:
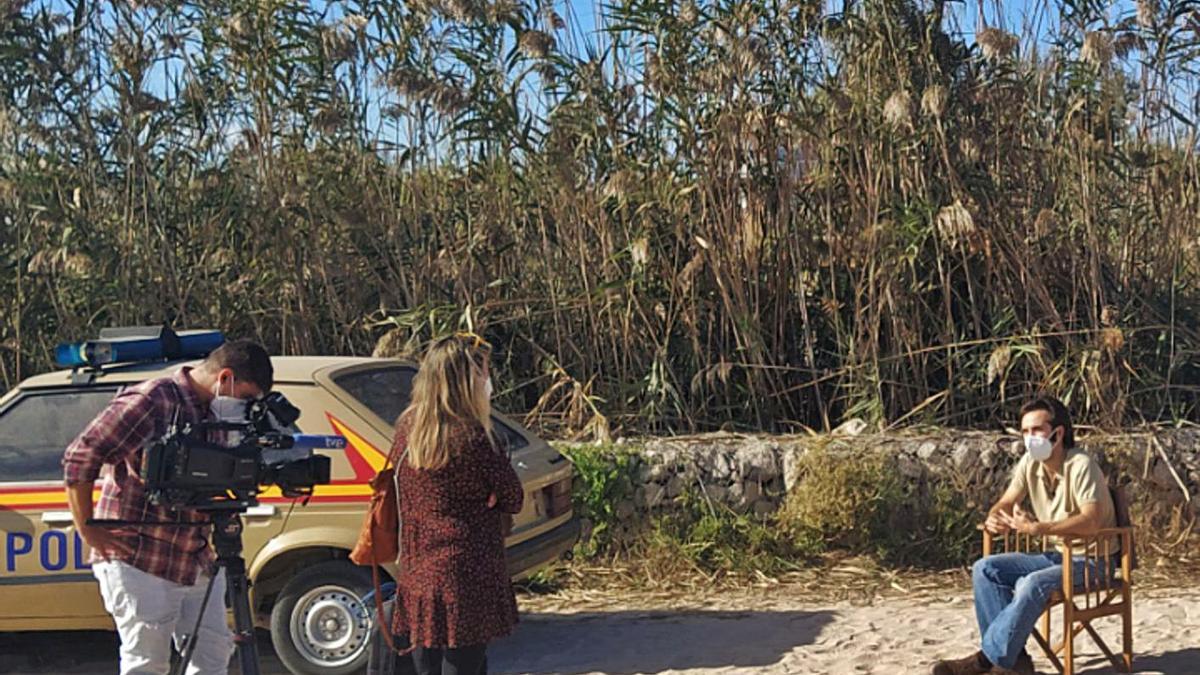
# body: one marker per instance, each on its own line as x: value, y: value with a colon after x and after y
x: 1059, y: 416
x: 247, y: 359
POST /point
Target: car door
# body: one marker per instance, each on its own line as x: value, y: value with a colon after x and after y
x: 379, y: 391
x: 45, y: 581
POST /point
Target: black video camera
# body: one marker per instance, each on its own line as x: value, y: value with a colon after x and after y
x: 187, y: 468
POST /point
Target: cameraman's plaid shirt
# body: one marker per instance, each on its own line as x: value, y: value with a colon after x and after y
x: 110, y: 448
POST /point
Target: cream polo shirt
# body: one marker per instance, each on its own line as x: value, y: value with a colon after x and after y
x: 1055, y: 499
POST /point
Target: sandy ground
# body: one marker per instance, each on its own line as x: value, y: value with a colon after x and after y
x: 770, y: 631
x: 895, y: 635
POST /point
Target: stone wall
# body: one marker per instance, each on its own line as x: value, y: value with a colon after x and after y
x: 752, y: 474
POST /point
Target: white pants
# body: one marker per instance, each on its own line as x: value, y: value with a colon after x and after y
x: 150, y: 611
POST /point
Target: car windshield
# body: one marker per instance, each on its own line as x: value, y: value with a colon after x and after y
x: 385, y: 391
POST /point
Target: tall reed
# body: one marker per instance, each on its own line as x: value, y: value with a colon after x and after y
x: 746, y: 214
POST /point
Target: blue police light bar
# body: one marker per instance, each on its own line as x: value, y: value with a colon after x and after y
x: 192, y: 344
x: 196, y: 344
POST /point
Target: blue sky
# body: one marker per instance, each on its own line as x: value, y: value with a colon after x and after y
x: 583, y: 18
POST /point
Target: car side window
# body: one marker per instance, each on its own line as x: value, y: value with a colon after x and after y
x: 386, y: 391
x: 510, y: 439
x: 36, y: 428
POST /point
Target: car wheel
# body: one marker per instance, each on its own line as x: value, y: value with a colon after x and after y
x: 319, y: 625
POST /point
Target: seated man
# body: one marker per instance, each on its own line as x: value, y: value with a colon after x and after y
x: 1070, y: 497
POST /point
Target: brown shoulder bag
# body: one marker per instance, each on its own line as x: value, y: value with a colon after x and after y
x: 379, y: 538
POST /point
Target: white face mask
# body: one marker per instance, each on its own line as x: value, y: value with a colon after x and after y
x: 227, y: 409
x: 1039, y: 447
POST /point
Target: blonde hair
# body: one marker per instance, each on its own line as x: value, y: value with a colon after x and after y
x: 446, y: 393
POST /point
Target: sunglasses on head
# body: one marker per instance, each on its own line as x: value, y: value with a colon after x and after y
x: 474, y: 339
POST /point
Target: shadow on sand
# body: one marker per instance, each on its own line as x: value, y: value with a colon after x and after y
x: 1169, y: 663
x: 623, y: 643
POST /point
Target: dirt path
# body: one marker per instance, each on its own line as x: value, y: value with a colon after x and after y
x: 757, y: 631
x: 895, y: 635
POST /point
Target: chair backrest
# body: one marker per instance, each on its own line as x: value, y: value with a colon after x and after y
x: 1121, y: 508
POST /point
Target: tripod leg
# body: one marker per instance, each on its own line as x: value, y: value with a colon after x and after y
x: 227, y: 540
x: 243, y: 619
x: 190, y: 644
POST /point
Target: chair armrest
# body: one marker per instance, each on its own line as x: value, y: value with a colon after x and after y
x: 1113, y: 531
x: 1122, y: 532
x: 1071, y: 546
x: 987, y: 539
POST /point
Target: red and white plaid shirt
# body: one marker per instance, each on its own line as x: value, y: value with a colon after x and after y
x: 111, y: 448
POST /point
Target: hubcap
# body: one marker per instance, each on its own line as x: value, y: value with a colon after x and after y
x: 329, y: 626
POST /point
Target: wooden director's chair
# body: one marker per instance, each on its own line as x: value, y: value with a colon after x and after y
x: 1110, y: 596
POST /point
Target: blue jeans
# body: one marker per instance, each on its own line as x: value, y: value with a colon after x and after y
x: 1011, y: 590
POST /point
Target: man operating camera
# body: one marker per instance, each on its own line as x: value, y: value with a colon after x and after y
x: 153, y: 577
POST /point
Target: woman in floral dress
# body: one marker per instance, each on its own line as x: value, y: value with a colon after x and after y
x: 457, y: 489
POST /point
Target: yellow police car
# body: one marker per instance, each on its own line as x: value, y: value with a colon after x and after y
x: 303, y: 586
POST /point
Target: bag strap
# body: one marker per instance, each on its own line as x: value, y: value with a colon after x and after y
x: 385, y: 627
x: 396, y: 485
x: 388, y: 463
x: 399, y: 520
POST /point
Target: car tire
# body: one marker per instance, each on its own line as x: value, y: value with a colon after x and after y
x: 319, y: 625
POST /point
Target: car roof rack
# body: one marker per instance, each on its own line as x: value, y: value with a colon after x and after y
x: 133, y: 344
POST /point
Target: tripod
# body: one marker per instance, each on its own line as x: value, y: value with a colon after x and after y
x: 227, y: 542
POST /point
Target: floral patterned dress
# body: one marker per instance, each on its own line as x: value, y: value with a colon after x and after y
x: 453, y: 588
